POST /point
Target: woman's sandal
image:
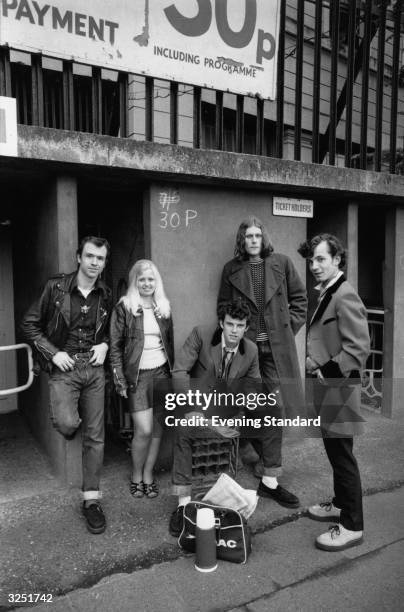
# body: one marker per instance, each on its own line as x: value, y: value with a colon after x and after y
x: 137, y: 489
x: 151, y: 490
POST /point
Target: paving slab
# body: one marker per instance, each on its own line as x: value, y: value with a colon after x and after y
x: 21, y: 478
x: 372, y: 583
x: 285, y: 572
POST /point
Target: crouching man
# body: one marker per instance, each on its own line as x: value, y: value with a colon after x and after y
x: 212, y: 355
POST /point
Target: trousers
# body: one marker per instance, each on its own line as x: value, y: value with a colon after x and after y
x: 269, y: 442
x: 347, y: 481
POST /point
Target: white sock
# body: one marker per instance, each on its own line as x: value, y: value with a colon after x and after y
x: 270, y: 481
x: 183, y: 499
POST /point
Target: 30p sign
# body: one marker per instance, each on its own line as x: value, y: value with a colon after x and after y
x: 234, y: 38
x: 229, y: 45
x: 223, y: 44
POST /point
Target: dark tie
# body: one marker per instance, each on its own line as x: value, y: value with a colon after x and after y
x: 226, y: 363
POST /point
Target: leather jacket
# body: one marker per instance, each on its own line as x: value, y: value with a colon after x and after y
x: 45, y: 326
x: 127, y: 342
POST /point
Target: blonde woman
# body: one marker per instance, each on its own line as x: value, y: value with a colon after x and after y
x: 142, y: 350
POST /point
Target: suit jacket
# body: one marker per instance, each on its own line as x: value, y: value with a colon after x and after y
x: 338, y: 341
x: 284, y: 314
x: 201, y: 357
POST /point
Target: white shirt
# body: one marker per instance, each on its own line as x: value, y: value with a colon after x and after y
x: 233, y: 350
x: 153, y: 354
x: 329, y: 284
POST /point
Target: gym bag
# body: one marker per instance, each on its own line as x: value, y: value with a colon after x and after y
x: 233, y: 535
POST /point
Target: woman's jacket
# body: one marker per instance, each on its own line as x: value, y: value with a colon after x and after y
x: 127, y: 342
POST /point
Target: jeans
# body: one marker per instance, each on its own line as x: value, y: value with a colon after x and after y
x: 83, y: 386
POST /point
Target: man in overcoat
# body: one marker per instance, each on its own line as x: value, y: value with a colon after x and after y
x: 338, y: 345
x: 277, y: 299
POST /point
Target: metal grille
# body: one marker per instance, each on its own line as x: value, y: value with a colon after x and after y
x: 372, y: 391
x: 340, y: 79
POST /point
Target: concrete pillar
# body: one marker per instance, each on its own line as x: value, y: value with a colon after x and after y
x: 55, y: 251
x: 352, y: 244
x: 393, y: 346
x: 8, y: 370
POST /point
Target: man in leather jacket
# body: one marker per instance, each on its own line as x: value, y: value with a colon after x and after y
x: 67, y: 328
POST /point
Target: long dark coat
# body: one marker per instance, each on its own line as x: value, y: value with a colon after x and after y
x: 285, y: 313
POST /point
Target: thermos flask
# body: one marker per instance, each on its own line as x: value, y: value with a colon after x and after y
x: 205, y: 560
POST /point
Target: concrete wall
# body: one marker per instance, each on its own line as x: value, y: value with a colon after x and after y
x: 111, y: 156
x: 191, y: 235
x: 190, y: 248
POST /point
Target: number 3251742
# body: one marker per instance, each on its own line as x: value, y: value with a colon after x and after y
x: 30, y: 597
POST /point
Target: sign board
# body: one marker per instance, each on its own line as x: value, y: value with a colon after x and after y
x: 229, y: 45
x: 8, y: 126
x: 292, y: 207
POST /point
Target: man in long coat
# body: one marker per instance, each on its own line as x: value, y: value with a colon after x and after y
x: 277, y: 299
x: 338, y: 345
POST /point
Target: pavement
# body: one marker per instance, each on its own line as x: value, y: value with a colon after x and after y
x: 137, y: 565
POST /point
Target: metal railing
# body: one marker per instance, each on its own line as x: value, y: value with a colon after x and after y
x: 28, y: 383
x: 372, y: 382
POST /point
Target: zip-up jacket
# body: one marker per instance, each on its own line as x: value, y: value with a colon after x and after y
x: 127, y: 342
x: 46, y: 324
